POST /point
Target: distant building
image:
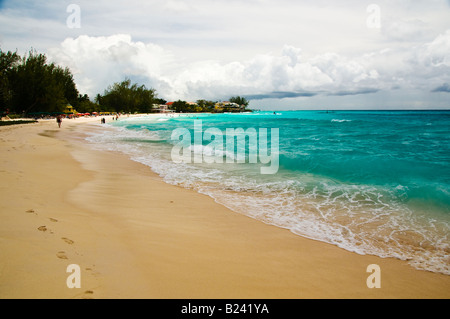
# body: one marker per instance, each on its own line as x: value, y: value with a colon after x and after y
x: 161, y: 108
x: 227, y: 106
x: 70, y: 110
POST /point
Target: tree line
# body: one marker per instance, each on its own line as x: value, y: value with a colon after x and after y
x: 234, y: 104
x: 30, y: 85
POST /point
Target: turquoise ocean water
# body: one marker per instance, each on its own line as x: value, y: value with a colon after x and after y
x: 371, y: 182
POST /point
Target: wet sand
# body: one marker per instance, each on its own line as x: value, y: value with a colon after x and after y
x: 134, y: 236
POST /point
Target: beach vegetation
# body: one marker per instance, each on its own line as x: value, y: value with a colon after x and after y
x: 8, y: 61
x: 242, y: 101
x: 180, y: 106
x: 206, y: 106
x: 31, y: 84
x: 127, y: 97
x: 187, y: 107
x: 85, y: 105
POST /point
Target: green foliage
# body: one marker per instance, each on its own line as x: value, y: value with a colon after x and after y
x: 180, y: 106
x: 239, y: 100
x: 127, y: 97
x: 206, y: 106
x: 85, y: 105
x: 30, y: 84
x: 8, y: 61
x: 160, y: 101
x: 33, y: 85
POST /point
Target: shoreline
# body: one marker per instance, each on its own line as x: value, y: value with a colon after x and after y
x: 134, y: 236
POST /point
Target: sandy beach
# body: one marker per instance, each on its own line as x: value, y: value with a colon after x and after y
x: 135, y: 236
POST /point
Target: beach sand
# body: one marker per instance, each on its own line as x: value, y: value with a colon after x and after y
x: 134, y: 236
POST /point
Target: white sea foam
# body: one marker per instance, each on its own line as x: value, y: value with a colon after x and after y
x: 340, y: 121
x: 208, y: 151
x: 362, y: 219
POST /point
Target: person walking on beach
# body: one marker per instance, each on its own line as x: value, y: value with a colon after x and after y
x: 59, y: 120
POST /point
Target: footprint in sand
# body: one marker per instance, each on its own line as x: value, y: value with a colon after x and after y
x: 61, y: 255
x: 88, y: 294
x: 68, y: 241
x: 44, y: 229
x: 53, y: 220
x: 31, y: 211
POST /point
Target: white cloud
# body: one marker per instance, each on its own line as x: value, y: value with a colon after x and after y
x: 99, y: 61
x: 406, y: 30
x: 177, y: 6
x: 260, y: 48
x: 436, y: 53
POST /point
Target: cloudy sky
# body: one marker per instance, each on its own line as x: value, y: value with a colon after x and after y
x: 283, y: 54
